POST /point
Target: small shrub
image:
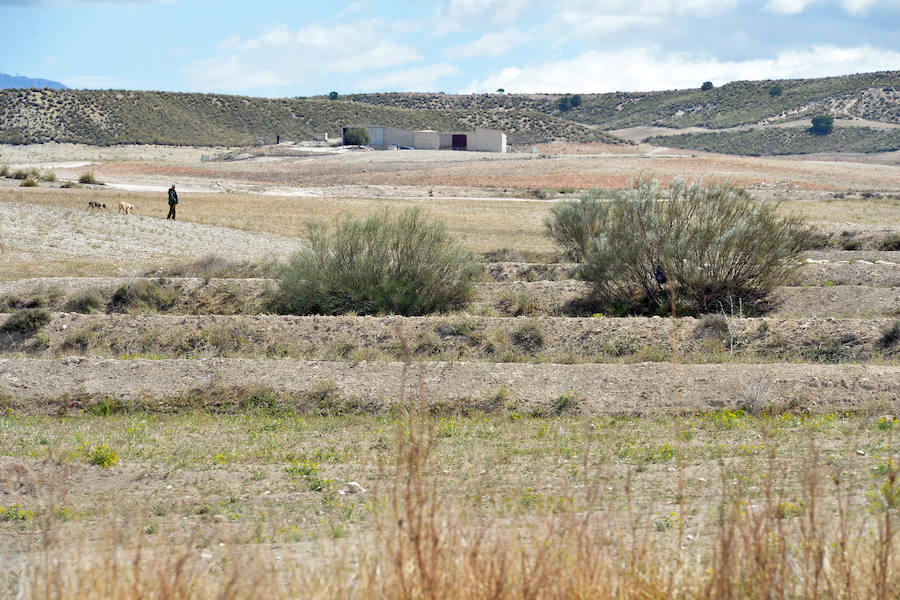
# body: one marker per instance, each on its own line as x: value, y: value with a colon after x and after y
x: 890, y: 243
x: 332, y: 95
x: 707, y: 85
x: 712, y: 326
x: 26, y: 321
x: 776, y: 90
x: 70, y: 185
x: 100, y: 455
x: 518, y: 305
x: 398, y: 263
x: 29, y: 182
x: 822, y: 124
x: 142, y: 295
x: 890, y: 336
x: 16, y: 513
x: 566, y: 404
x: 48, y: 176
x: 356, y: 136
x: 528, y: 337
x: 4, y: 171
x: 85, y: 301
x: 20, y: 174
x: 88, y: 179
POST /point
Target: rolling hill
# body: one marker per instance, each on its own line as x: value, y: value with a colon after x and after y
x: 106, y: 117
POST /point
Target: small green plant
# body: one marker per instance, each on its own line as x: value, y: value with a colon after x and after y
x: 26, y: 321
x: 566, y: 404
x: 707, y: 85
x: 309, y: 472
x: 29, y: 182
x: 332, y: 95
x: 776, y: 90
x: 16, y: 513
x: 101, y: 454
x: 48, y: 176
x: 88, y: 179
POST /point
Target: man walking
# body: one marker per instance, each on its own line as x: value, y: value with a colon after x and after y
x: 173, y: 200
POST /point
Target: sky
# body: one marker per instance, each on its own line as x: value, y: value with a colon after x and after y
x: 286, y: 48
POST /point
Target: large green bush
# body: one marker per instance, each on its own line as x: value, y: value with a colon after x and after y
x: 706, y: 247
x: 356, y: 136
x: 399, y: 263
x: 574, y: 224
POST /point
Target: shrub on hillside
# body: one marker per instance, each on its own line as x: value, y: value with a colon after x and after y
x: 822, y: 124
x: 707, y: 85
x: 88, y: 179
x: 26, y: 321
x: 393, y: 262
x: 142, y: 295
x: 776, y: 90
x: 711, y: 247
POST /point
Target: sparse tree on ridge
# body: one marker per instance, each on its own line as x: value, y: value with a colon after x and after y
x: 822, y: 124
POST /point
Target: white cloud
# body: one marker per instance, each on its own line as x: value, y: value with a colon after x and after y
x: 414, y: 79
x: 283, y: 57
x: 788, y: 7
x: 489, y: 44
x: 643, y: 69
x: 583, y: 25
x: 468, y: 12
x: 856, y: 8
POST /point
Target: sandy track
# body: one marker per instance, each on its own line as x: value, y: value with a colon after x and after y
x: 636, y: 388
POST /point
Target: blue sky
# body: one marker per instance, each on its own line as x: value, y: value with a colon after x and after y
x: 284, y: 48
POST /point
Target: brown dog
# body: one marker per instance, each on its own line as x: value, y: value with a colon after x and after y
x: 125, y: 207
x: 97, y: 205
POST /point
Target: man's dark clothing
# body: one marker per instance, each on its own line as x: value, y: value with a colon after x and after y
x: 173, y: 200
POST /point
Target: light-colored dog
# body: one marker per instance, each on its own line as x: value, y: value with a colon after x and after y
x: 126, y: 207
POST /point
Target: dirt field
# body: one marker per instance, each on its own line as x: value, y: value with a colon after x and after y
x: 237, y: 431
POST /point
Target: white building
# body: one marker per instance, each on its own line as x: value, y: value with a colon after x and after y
x: 480, y: 140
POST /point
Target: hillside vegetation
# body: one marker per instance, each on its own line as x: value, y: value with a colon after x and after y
x: 793, y: 140
x: 873, y: 96
x: 105, y: 117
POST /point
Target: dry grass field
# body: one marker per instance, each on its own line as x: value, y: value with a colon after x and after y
x: 187, y: 443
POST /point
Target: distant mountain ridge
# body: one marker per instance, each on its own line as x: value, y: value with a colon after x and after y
x: 104, y: 117
x: 20, y: 81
